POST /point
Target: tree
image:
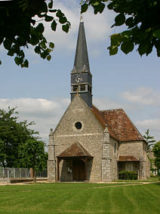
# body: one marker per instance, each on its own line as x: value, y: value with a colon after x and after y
x: 141, y: 20
x: 149, y: 139
x: 19, y: 145
x: 12, y: 135
x: 34, y: 155
x: 22, y: 25
x: 156, y: 150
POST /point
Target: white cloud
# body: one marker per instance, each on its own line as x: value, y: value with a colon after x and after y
x: 144, y: 96
x: 45, y: 113
x: 152, y: 124
x: 97, y: 26
x: 155, y: 123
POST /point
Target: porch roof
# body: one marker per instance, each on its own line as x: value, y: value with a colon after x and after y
x: 127, y: 158
x: 75, y: 150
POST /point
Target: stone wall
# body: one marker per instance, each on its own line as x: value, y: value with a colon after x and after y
x: 114, y: 156
x: 136, y: 149
x: 90, y: 136
x: 131, y: 148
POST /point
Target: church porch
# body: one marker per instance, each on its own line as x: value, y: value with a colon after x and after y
x: 128, y: 164
x: 74, y: 164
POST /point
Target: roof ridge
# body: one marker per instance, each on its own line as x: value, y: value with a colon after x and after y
x: 112, y: 109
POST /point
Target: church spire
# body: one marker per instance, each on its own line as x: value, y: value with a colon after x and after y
x: 81, y: 62
x: 81, y: 78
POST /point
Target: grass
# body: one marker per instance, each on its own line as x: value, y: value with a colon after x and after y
x: 80, y: 198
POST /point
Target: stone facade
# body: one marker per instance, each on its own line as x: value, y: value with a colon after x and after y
x: 90, y: 137
x: 94, y: 138
x: 138, y: 150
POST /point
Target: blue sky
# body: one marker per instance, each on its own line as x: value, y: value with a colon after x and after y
x: 42, y: 92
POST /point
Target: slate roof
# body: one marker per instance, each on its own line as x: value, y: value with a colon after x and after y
x: 118, y: 123
x: 127, y: 158
x: 81, y: 61
x: 75, y: 150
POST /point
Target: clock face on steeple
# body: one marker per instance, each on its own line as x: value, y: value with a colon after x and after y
x: 78, y: 79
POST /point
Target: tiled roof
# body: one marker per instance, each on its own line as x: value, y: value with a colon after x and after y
x: 75, y: 150
x: 127, y: 158
x: 118, y: 123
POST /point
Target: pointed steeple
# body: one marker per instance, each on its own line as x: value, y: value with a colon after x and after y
x: 81, y: 62
x: 81, y: 78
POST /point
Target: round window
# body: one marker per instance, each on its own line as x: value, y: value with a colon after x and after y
x: 78, y: 125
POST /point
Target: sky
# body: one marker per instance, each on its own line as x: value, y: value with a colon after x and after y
x: 41, y: 93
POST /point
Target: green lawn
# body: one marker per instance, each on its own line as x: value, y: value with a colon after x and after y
x: 80, y: 198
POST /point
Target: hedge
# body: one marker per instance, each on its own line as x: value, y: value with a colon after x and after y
x: 128, y: 175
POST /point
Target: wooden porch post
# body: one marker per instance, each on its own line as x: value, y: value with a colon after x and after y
x: 57, y: 177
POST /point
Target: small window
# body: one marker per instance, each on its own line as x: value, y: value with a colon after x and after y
x: 75, y: 87
x: 82, y: 87
x: 115, y: 148
x: 78, y: 125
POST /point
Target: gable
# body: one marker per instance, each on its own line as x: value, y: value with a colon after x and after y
x: 75, y: 150
x: 119, y: 125
x: 78, y: 112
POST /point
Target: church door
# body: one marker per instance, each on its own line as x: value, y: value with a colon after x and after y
x: 78, y: 170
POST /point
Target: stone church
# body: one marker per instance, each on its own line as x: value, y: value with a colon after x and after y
x: 89, y: 144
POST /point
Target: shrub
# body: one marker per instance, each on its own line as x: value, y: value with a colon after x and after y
x: 128, y: 175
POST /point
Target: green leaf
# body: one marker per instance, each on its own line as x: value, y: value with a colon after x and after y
x: 62, y: 20
x: 127, y: 46
x: 111, y: 5
x: 7, y: 44
x: 40, y: 28
x: 53, y: 11
x: 48, y: 18
x: 11, y: 52
x: 99, y: 8
x: 26, y: 63
x: 126, y: 34
x: 50, y: 4
x: 130, y: 22
x: 116, y: 39
x: 66, y: 27
x: 34, y: 40
x: 49, y: 57
x: 54, y: 25
x: 156, y: 34
x: 18, y: 60
x: 37, y: 49
x: 113, y: 50
x: 119, y: 20
x: 142, y: 49
x: 59, y: 13
x: 84, y: 8
x: 51, y: 45
x: 43, y: 44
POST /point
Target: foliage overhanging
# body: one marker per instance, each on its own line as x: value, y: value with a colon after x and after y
x: 22, y: 24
